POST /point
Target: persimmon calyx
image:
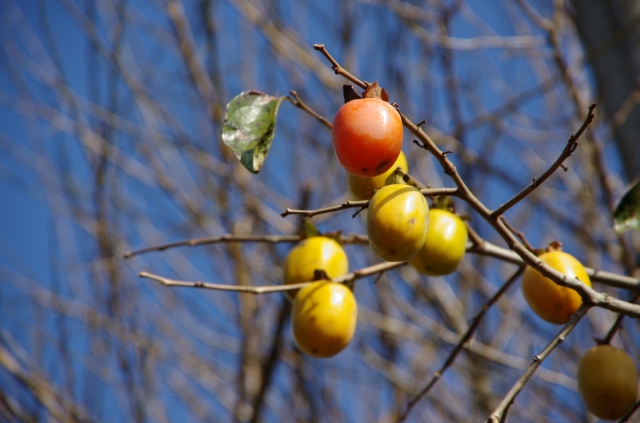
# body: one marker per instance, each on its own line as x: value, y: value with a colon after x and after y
x: 374, y: 90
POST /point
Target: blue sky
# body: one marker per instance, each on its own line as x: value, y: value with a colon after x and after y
x: 42, y: 241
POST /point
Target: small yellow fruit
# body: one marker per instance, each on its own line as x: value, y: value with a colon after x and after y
x: 323, y: 318
x: 397, y: 222
x: 445, y: 245
x: 361, y: 188
x: 314, y: 253
x: 608, y: 381
x: 552, y: 302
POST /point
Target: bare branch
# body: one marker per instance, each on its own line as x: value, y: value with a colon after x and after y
x: 506, y: 402
x: 270, y: 239
x: 296, y: 101
x: 572, y: 143
x: 349, y: 277
x: 363, y: 204
x: 465, y: 338
x: 339, y: 70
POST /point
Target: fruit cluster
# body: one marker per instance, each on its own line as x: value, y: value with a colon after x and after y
x: 367, y: 137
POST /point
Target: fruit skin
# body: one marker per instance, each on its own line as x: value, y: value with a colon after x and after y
x: 367, y: 136
x: 314, y: 253
x: 608, y: 381
x: 323, y: 318
x: 445, y: 245
x: 397, y: 222
x: 360, y: 188
x: 552, y: 302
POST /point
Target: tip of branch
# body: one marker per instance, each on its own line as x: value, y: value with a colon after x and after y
x: 318, y: 46
x: 127, y: 255
x: 143, y: 274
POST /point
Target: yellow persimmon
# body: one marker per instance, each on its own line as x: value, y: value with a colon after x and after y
x: 445, y: 245
x: 323, y: 318
x: 552, y: 302
x: 397, y: 221
x: 314, y: 253
x: 608, y: 381
x: 361, y: 188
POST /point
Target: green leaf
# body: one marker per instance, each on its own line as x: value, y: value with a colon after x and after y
x: 249, y: 126
x: 627, y: 213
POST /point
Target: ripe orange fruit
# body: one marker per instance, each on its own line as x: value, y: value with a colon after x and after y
x: 323, y: 318
x: 608, y: 381
x: 552, y: 302
x: 367, y: 136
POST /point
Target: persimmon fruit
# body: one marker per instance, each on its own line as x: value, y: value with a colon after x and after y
x: 550, y: 301
x: 444, y: 247
x: 367, y: 136
x: 323, y: 318
x: 314, y: 253
x: 361, y: 188
x: 608, y: 381
x: 397, y: 222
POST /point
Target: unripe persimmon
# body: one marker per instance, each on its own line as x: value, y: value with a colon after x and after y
x: 608, y: 381
x: 445, y: 245
x: 367, y: 136
x: 323, y: 318
x: 314, y: 253
x: 552, y: 302
x: 397, y: 222
x: 361, y: 188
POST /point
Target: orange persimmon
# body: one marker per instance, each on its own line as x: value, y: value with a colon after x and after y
x: 367, y: 136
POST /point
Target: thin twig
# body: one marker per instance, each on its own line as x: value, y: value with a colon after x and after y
x: 572, y: 143
x: 272, y: 239
x: 630, y: 413
x: 506, y: 402
x: 339, y: 70
x: 475, y: 322
x: 349, y: 277
x: 363, y: 204
x: 300, y: 104
x: 518, y: 233
x: 618, y: 323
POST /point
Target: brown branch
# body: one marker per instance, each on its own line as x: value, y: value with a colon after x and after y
x: 572, y: 143
x: 339, y: 70
x: 518, y: 233
x: 300, y: 104
x: 506, y: 402
x: 349, y: 277
x: 310, y: 213
x: 618, y: 323
x: 363, y: 204
x: 272, y: 239
x: 465, y: 339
